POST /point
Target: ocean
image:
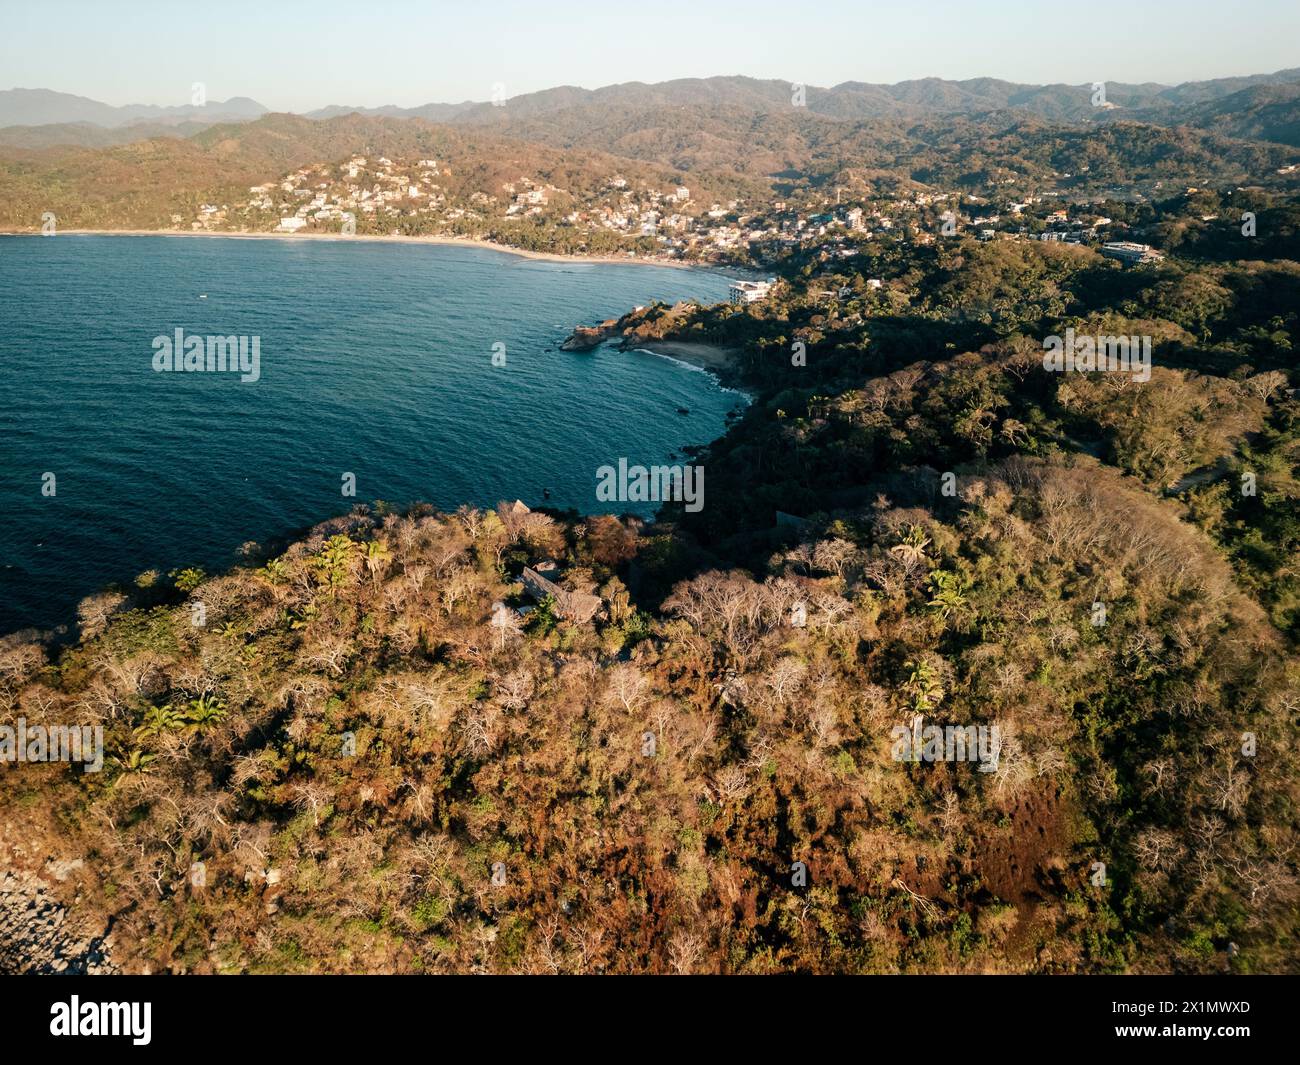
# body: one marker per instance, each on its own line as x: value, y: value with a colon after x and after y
x: 406, y: 372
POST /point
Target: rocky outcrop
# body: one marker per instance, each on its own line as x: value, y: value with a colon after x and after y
x: 38, y: 934
x: 586, y: 337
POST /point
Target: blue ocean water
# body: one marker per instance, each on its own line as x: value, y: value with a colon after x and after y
x: 376, y: 359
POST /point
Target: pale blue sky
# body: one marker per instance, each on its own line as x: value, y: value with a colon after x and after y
x: 293, y: 55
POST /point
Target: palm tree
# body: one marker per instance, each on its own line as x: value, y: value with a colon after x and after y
x: 377, y: 554
x: 135, y: 764
x: 335, y: 561
x: 159, y: 719
x: 204, y: 712
x: 923, y: 685
x: 911, y: 550
x: 948, y: 588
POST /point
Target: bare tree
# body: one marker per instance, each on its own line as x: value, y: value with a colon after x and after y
x: 684, y: 952
x: 628, y: 687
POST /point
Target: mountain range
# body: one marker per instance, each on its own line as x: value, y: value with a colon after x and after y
x: 852, y: 100
x: 1260, y: 106
x: 42, y: 107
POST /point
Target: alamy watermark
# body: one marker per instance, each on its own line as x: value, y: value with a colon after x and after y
x: 947, y: 743
x: 1084, y: 354
x: 651, y: 484
x: 77, y: 1018
x: 208, y: 354
x: 21, y: 742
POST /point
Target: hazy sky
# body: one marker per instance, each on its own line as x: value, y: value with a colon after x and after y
x: 292, y: 55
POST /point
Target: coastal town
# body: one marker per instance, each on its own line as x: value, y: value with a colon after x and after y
x: 377, y: 195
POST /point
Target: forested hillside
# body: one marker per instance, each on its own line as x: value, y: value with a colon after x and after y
x: 144, y: 184
x: 724, y: 152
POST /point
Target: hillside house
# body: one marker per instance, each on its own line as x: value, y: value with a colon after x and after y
x: 573, y: 606
x: 1128, y: 251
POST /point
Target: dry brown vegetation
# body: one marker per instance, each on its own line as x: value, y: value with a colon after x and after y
x: 632, y: 795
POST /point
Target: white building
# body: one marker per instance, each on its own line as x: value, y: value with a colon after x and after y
x: 743, y: 292
x: 292, y: 225
x: 1130, y: 252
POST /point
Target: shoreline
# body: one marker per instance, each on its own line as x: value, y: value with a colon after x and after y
x: 462, y: 242
x: 714, y: 359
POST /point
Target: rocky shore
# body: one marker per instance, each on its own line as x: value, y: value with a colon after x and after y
x: 585, y: 337
x: 635, y: 333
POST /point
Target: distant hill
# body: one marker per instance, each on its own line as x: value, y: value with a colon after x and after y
x: 1262, y: 112
x: 702, y: 122
x: 40, y: 107
x: 89, y: 135
x: 429, y: 112
x: 851, y: 99
x: 950, y: 149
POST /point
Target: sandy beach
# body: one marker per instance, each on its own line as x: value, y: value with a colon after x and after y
x: 705, y: 356
x: 713, y: 358
x: 463, y: 242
